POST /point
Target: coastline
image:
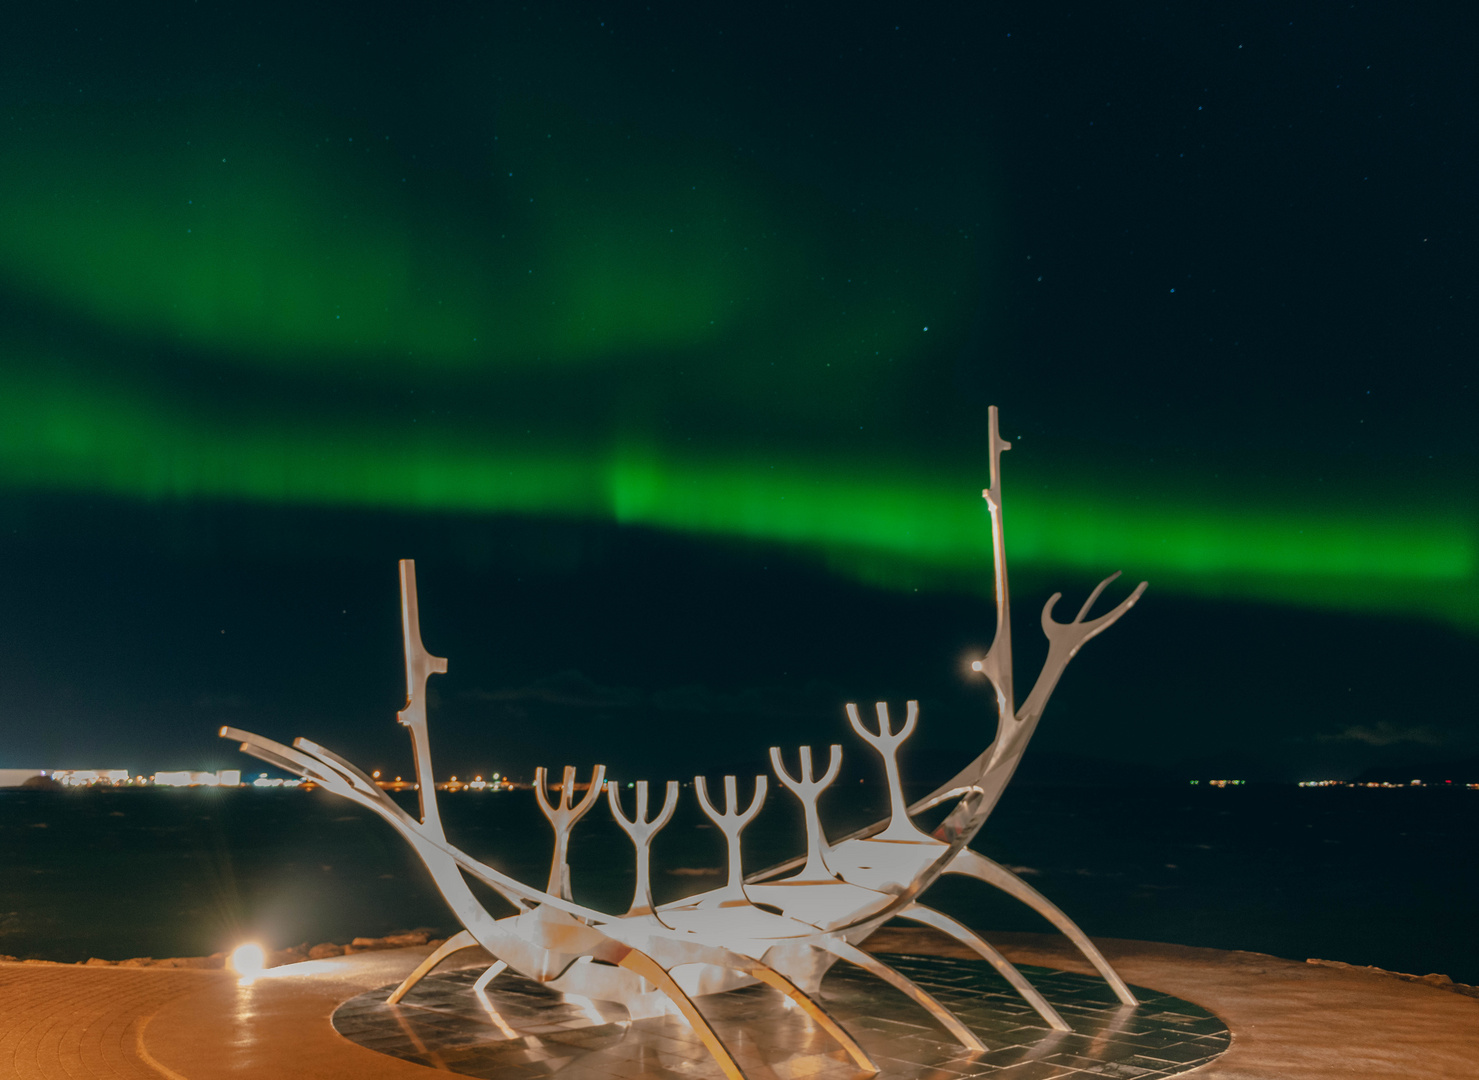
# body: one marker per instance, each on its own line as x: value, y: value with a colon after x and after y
x: 295, y: 954
x: 882, y: 940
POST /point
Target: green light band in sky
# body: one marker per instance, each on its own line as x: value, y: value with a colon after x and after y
x: 892, y: 525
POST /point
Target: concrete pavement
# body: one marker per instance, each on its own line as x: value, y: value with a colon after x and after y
x: 1290, y: 1020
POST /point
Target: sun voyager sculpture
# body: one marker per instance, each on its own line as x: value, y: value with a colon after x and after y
x: 784, y: 926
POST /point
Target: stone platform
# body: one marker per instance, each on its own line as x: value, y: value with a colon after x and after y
x: 1289, y: 1020
x: 519, y: 1030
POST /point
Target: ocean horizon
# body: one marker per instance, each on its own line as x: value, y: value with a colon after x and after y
x: 1366, y: 876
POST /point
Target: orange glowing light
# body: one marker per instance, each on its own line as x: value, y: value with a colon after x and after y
x: 248, y: 961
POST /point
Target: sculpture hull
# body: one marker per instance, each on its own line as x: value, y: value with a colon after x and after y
x: 785, y: 932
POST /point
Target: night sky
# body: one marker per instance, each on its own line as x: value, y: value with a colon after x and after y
x: 662, y: 337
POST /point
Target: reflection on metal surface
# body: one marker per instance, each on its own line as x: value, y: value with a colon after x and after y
x: 781, y: 931
x: 537, y: 1031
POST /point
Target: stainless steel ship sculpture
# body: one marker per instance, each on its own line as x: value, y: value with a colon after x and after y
x: 783, y: 926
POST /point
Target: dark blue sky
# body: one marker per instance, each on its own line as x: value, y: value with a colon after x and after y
x: 1214, y: 265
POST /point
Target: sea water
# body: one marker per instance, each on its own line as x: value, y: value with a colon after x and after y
x: 1385, y: 877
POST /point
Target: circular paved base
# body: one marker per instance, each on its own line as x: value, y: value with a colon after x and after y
x: 521, y: 1029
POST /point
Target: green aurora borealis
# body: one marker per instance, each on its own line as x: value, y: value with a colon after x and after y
x: 618, y: 326
x: 887, y: 525
x: 662, y: 337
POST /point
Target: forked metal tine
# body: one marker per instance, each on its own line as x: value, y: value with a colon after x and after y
x: 807, y: 789
x: 614, y: 798
x: 806, y: 784
x: 563, y: 819
x: 701, y: 788
x: 540, y: 778
x: 567, y: 787
x: 885, y: 739
x: 639, y: 825
x: 887, y: 742
x: 1095, y: 595
x: 1079, y: 631
x: 732, y: 822
x: 597, y: 785
x: 641, y: 831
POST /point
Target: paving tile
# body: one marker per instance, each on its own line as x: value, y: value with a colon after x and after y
x: 1035, y: 1070
x: 1123, y: 1070
x: 1177, y: 1053
x: 442, y: 1025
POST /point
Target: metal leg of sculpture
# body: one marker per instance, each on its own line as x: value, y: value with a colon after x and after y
x: 976, y: 865
x: 454, y: 944
x: 669, y: 953
x: 652, y: 971
x: 479, y: 991
x: 876, y: 967
x: 813, y: 1008
x: 488, y: 976
x: 1004, y: 967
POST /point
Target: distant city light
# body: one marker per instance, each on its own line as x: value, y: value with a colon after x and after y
x: 265, y: 781
x: 186, y: 778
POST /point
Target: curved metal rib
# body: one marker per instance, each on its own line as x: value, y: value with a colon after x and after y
x: 639, y: 962
x: 973, y: 864
x: 874, y: 966
x: 813, y: 1008
x: 310, y: 768
x: 494, y: 970
x: 1004, y: 967
x: 454, y: 944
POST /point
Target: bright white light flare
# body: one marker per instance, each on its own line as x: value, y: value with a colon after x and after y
x: 248, y: 961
